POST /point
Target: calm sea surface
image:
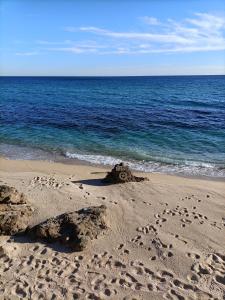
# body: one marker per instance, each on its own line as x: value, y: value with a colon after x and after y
x: 161, y: 124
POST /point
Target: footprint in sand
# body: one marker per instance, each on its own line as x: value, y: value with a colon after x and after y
x: 159, y: 220
x: 123, y: 250
x: 210, y: 269
x: 193, y: 256
x: 147, y: 203
x: 45, y: 181
x: 147, y: 229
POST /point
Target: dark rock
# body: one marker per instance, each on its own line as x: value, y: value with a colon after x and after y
x: 14, y: 212
x: 121, y: 174
x: 74, y: 229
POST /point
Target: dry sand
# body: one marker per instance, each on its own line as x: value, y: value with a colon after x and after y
x: 166, y: 237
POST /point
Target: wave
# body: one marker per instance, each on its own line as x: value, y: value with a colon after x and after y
x: 155, y: 165
x: 191, y: 168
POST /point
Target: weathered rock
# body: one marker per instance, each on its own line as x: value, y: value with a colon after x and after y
x: 10, y: 195
x: 121, y: 174
x: 14, y: 212
x: 74, y: 229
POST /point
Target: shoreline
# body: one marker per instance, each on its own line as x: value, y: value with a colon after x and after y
x: 184, y: 168
x: 212, y: 170
x: 107, y: 167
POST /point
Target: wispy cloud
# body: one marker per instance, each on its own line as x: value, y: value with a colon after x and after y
x: 86, y: 46
x: 207, y: 22
x: 44, y: 42
x: 202, y: 32
x: 27, y: 53
x: 154, y: 37
x: 150, y: 20
x: 77, y: 50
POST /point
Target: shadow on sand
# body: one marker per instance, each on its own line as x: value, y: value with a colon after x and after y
x: 93, y: 182
x: 23, y: 238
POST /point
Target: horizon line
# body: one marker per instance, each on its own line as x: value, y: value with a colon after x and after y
x: 177, y: 75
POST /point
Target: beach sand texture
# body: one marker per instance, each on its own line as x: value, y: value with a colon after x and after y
x: 166, y: 237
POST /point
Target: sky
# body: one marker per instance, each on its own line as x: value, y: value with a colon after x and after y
x: 112, y: 37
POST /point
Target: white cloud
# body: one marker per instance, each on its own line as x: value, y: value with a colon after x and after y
x: 203, y: 32
x: 150, y: 20
x: 71, y: 29
x: 44, y: 42
x: 80, y: 47
x: 155, y: 37
x: 27, y: 53
x: 208, y: 22
x: 77, y: 50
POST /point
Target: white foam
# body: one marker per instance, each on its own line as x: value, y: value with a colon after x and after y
x: 186, y: 168
x: 94, y: 159
x: 168, y: 166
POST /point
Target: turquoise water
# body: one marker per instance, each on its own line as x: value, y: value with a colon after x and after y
x: 160, y: 124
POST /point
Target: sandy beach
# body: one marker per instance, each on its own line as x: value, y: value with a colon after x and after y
x: 165, y: 237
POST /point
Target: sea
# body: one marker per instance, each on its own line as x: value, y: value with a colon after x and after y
x: 165, y: 124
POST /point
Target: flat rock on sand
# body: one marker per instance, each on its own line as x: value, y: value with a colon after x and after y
x: 74, y: 229
x: 14, y: 211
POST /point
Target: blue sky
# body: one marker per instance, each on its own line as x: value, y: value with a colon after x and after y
x: 112, y: 37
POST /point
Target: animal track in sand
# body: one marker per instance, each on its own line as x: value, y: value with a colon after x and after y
x: 147, y: 203
x: 49, y: 182
x: 101, y: 277
x: 102, y: 260
x: 162, y: 248
x: 124, y: 251
x: 113, y: 202
x: 106, y: 276
x: 193, y: 278
x: 208, y: 271
x: 178, y: 211
x: 214, y: 224
x: 137, y: 240
x: 193, y: 255
x: 189, y: 217
x: 149, y: 239
x: 159, y: 220
x: 147, y: 229
x: 179, y: 238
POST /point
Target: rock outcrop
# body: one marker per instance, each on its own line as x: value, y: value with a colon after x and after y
x: 121, y: 174
x: 15, y: 213
x: 9, y: 195
x: 74, y: 229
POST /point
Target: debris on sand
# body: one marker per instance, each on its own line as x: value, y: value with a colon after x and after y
x: 74, y: 230
x: 14, y: 212
x: 121, y: 174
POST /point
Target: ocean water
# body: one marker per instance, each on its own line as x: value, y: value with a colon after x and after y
x: 173, y: 124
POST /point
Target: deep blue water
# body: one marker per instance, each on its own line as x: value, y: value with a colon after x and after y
x: 164, y: 124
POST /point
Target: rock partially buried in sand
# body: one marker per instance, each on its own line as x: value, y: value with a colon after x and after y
x: 74, y: 229
x: 14, y: 212
x: 121, y: 174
